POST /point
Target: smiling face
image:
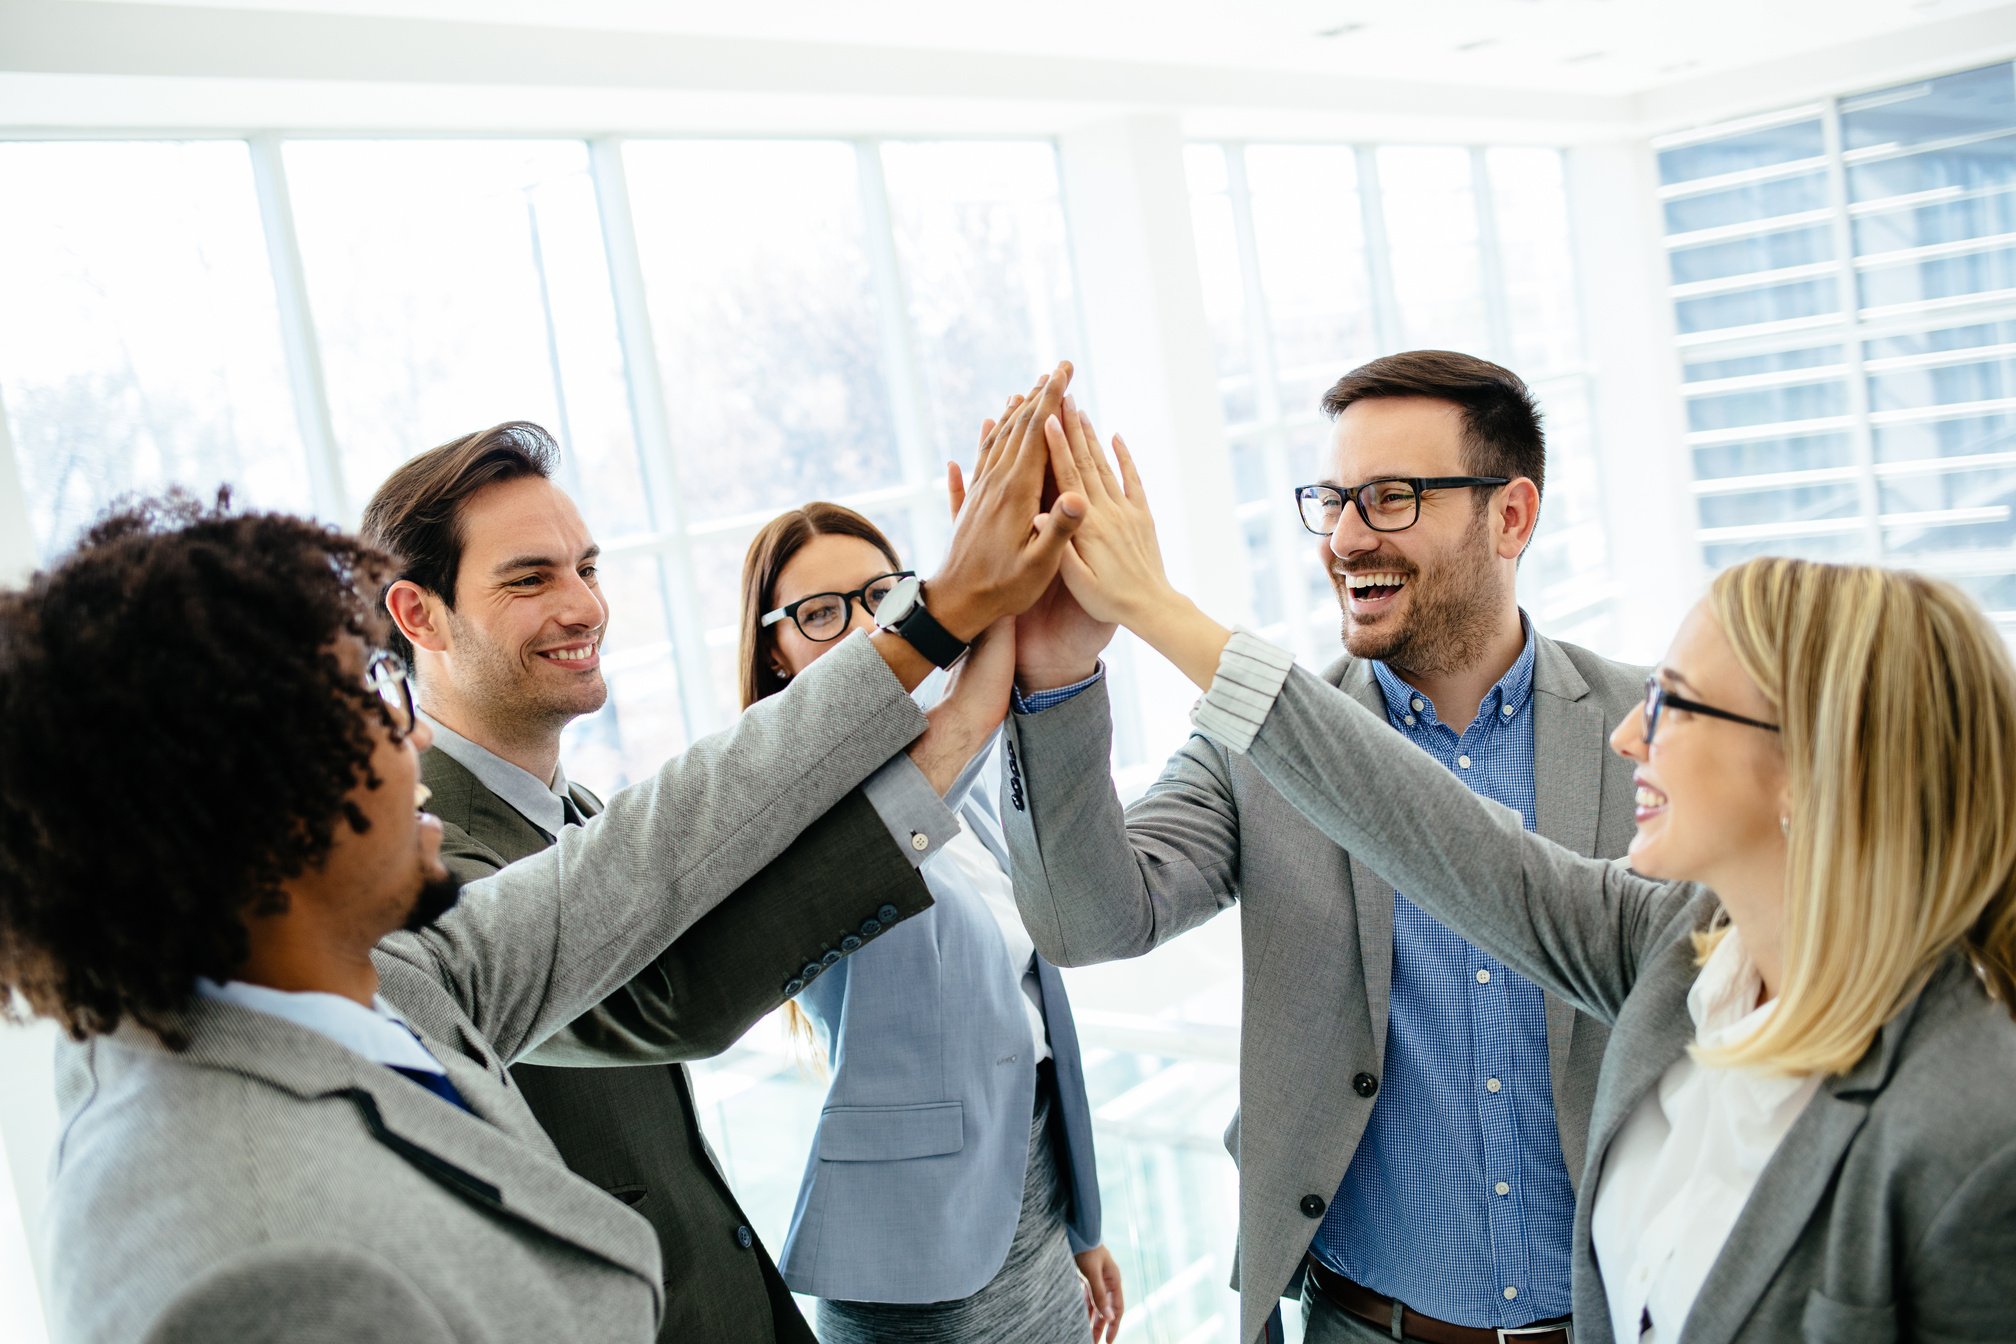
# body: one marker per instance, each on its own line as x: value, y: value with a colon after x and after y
x: 829, y: 563
x: 1428, y: 599
x: 524, y: 638
x: 1710, y: 792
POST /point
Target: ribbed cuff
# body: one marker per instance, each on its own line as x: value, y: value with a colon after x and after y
x: 1249, y: 677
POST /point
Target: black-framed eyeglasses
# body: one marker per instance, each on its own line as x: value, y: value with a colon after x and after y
x: 386, y: 675
x: 1658, y: 698
x: 821, y: 617
x: 1388, y: 504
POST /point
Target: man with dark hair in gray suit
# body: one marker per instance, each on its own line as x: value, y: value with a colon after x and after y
x: 286, y: 1107
x: 1411, y: 1109
x: 499, y: 605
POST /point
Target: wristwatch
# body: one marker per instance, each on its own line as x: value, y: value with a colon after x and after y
x: 902, y: 613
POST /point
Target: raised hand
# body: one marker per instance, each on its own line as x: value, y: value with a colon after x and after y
x: 1005, y: 547
x: 1114, y: 564
x: 1114, y: 568
x: 1057, y: 642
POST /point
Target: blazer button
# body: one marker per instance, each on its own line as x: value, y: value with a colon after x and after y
x: 870, y: 927
x: 888, y: 914
x: 1364, y: 1084
x: 1313, y: 1206
x: 832, y: 958
x: 792, y: 986
x: 849, y: 943
x: 809, y: 970
x: 744, y: 1237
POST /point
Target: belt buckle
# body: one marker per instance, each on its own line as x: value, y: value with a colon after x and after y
x: 1518, y: 1332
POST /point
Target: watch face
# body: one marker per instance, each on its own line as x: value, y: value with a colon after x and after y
x: 902, y: 598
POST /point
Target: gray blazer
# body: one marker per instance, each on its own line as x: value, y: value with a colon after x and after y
x: 915, y: 1180
x: 635, y: 1131
x: 1888, y: 1212
x: 1096, y: 885
x: 266, y: 1184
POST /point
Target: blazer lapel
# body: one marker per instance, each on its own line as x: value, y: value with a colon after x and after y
x: 1568, y: 746
x: 981, y: 819
x: 1795, y: 1180
x: 1371, y: 893
x: 482, y: 1154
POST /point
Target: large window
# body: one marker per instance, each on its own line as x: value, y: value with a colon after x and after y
x: 1844, y: 289
x: 715, y: 331
x: 1316, y: 258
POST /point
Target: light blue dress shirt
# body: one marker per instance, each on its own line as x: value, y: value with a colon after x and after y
x: 1457, y: 1201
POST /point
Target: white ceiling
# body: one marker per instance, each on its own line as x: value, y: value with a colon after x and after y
x: 1574, y: 46
x: 1539, y: 71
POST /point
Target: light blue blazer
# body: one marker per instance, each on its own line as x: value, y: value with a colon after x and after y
x: 914, y: 1184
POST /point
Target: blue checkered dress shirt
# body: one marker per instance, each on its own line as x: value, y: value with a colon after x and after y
x: 1457, y: 1201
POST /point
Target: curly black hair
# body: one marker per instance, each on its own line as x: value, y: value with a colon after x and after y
x: 181, y: 737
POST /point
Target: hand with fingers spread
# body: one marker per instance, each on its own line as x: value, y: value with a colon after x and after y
x: 1057, y: 642
x: 1114, y: 568
x: 1006, y: 547
x: 1114, y: 564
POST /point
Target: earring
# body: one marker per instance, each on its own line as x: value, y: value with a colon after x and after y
x: 1785, y: 825
x: 780, y: 674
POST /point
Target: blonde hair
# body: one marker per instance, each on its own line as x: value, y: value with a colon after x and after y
x: 1898, y: 709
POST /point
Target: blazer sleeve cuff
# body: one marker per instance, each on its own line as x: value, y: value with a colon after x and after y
x: 919, y: 821
x: 1243, y: 690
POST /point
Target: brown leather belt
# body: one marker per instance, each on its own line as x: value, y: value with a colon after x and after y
x: 1366, y: 1305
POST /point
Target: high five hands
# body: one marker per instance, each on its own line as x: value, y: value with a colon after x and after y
x: 1111, y: 574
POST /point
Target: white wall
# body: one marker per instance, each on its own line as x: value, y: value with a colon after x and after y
x: 27, y: 1082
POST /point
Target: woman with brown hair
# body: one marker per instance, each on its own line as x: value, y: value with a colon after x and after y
x: 951, y: 1184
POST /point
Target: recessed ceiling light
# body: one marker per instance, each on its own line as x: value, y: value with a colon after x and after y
x: 1478, y: 45
x: 1341, y: 30
x: 1585, y: 57
x: 1679, y: 67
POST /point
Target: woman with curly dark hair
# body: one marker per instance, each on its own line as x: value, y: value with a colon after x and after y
x: 285, y: 1112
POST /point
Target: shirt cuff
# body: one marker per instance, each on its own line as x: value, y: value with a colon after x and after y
x: 1249, y: 678
x: 918, y: 819
x: 1035, y: 702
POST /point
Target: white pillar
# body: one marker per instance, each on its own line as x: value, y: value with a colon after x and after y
x: 28, y: 1098
x: 1628, y: 327
x: 1149, y: 373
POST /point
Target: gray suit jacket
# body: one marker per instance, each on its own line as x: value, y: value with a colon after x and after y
x: 1095, y: 885
x: 1888, y: 1212
x: 914, y: 1184
x: 267, y: 1184
x: 634, y: 1131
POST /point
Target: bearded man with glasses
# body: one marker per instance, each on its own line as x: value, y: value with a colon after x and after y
x: 1411, y: 1109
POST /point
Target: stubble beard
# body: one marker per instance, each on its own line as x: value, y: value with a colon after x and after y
x: 507, y: 696
x: 1450, y: 617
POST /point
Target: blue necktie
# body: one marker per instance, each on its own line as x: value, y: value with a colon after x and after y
x: 437, y: 1083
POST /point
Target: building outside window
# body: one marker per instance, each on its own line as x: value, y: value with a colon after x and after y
x: 1844, y: 291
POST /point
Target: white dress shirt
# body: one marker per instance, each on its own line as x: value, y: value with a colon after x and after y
x: 1684, y: 1164
x: 977, y: 864
x: 376, y: 1033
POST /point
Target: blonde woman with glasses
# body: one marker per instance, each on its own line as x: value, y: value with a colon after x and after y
x: 1805, y: 1124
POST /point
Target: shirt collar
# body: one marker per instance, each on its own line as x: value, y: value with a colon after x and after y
x: 542, y: 804
x: 1510, y: 691
x: 376, y: 1033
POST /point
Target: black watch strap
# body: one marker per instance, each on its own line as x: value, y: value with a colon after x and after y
x: 928, y: 637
